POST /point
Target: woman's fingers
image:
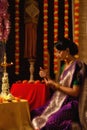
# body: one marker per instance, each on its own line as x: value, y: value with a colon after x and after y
x: 42, y: 72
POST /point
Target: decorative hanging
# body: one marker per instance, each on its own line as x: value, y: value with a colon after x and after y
x: 4, y: 21
x: 17, y: 50
x: 45, y: 35
x: 66, y: 28
x: 76, y: 22
x: 55, y: 34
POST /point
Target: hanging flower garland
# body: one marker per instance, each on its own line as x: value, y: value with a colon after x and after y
x: 66, y: 19
x: 45, y: 28
x: 17, y: 51
x: 55, y: 34
x: 4, y: 21
x: 76, y: 21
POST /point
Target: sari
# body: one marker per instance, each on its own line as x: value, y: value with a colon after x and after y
x: 61, y: 109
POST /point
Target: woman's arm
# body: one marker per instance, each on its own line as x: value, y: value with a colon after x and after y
x: 74, y: 91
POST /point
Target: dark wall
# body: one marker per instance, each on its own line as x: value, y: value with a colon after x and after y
x: 10, y: 47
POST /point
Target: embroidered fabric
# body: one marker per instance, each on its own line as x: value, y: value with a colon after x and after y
x: 56, y: 100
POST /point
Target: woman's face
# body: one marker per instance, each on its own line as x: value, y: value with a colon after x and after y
x: 61, y: 54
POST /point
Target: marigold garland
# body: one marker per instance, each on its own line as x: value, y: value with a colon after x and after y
x: 55, y: 34
x: 76, y: 21
x: 17, y: 50
x: 66, y: 19
x: 45, y: 28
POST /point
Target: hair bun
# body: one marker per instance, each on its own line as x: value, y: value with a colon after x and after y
x: 73, y: 48
x: 65, y: 43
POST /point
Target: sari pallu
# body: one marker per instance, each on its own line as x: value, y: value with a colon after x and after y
x: 62, y: 109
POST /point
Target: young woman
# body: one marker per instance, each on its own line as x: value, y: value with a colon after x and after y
x: 62, y: 108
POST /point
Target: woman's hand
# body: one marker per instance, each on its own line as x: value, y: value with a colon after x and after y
x: 52, y: 84
x: 43, y: 73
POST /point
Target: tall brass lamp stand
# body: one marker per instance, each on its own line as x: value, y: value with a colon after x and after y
x: 5, y: 80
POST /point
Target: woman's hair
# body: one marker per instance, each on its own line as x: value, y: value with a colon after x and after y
x: 66, y: 43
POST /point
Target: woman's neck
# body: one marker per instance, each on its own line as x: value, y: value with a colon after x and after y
x: 69, y: 60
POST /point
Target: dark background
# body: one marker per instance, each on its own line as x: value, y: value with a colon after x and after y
x: 10, y: 46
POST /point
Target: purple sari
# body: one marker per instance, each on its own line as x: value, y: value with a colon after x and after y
x: 62, y: 109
